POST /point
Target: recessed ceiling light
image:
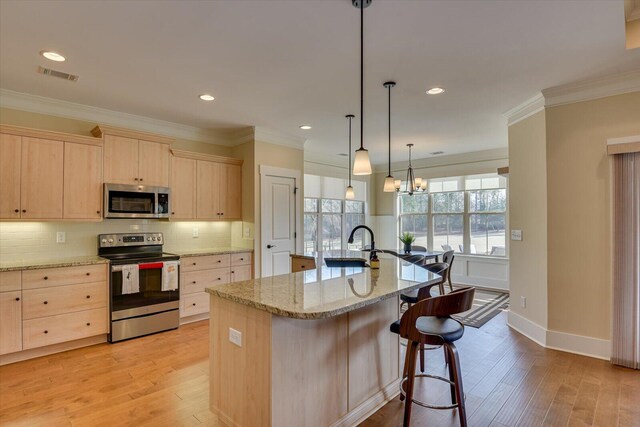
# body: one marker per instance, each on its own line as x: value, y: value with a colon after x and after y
x: 305, y: 127
x: 206, y: 97
x: 435, y: 91
x: 53, y: 56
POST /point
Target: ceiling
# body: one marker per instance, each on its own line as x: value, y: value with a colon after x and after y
x: 280, y: 64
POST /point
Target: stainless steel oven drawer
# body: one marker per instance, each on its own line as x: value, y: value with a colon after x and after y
x: 144, y: 325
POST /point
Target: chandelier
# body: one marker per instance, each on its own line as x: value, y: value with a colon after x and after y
x: 412, y: 184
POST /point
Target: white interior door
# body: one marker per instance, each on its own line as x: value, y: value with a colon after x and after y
x: 278, y: 224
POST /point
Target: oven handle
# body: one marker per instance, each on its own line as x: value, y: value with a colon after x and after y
x: 144, y: 266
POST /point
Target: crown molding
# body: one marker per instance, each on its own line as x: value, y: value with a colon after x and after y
x: 71, y: 110
x: 586, y: 90
x: 208, y: 157
x: 272, y: 136
x: 524, y: 110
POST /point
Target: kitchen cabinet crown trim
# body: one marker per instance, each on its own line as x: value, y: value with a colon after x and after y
x: 49, y: 134
x: 101, y: 130
x: 206, y: 157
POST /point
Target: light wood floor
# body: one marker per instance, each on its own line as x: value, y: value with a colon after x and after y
x: 162, y: 380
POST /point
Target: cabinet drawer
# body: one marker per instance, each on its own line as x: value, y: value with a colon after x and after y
x: 240, y: 273
x: 194, y: 304
x: 241, y: 259
x: 48, y: 277
x: 10, y: 281
x: 10, y: 322
x: 196, y: 281
x: 64, y: 327
x: 63, y: 299
x: 204, y: 262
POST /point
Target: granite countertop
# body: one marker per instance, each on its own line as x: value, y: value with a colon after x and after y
x: 327, y: 292
x: 51, y: 263
x: 210, y: 251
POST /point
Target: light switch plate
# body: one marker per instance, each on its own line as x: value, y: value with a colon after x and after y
x: 196, y: 232
x: 235, y: 337
x: 516, y: 234
x: 61, y: 237
x: 523, y: 302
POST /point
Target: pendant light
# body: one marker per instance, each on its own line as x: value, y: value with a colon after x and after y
x: 389, y: 186
x: 361, y: 164
x: 350, y: 195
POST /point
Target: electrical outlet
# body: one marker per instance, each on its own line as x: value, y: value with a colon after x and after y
x: 516, y: 234
x: 196, y: 232
x: 523, y: 302
x: 61, y: 237
x: 235, y: 337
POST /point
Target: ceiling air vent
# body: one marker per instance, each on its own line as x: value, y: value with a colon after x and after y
x: 59, y: 74
x: 435, y: 153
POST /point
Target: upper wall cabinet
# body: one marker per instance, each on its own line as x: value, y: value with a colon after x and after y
x: 49, y: 175
x: 205, y: 187
x: 132, y: 157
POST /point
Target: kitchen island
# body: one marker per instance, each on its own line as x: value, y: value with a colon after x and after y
x: 311, y: 348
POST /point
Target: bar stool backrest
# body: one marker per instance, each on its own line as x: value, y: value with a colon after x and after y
x: 454, y: 302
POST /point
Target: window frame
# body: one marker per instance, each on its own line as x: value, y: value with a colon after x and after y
x: 343, y: 222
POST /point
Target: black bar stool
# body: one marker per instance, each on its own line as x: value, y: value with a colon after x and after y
x: 429, y: 322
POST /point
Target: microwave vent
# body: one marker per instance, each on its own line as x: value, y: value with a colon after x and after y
x: 59, y: 74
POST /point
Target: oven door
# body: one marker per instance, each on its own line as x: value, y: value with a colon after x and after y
x: 150, y: 297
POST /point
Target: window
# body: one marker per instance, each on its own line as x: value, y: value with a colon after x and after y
x: 464, y: 214
x: 328, y: 223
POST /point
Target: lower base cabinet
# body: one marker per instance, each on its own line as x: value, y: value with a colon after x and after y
x: 200, y: 272
x: 63, y: 327
x: 10, y: 322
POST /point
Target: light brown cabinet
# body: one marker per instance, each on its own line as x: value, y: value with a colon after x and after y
x: 10, y: 322
x: 49, y: 175
x: 200, y: 272
x: 132, y: 157
x: 183, y: 188
x: 82, y: 181
x: 210, y: 187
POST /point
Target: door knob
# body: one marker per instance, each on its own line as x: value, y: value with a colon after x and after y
x: 271, y: 246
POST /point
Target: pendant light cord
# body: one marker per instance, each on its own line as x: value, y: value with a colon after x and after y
x: 349, y: 117
x: 389, y: 86
x: 362, y: 74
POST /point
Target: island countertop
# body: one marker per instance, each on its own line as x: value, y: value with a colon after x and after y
x: 327, y: 292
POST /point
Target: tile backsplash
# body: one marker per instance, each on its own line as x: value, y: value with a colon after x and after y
x: 23, y: 241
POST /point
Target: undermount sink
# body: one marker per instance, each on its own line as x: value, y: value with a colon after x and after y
x: 346, y: 262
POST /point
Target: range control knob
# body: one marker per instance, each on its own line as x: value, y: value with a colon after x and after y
x: 153, y: 238
x: 149, y: 239
x: 104, y: 240
x: 110, y: 240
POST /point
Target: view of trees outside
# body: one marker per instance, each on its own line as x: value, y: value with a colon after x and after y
x: 488, y: 229
x: 444, y: 211
x: 326, y: 219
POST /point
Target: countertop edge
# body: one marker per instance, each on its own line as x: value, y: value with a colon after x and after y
x: 38, y: 265
x: 318, y: 314
x: 207, y: 252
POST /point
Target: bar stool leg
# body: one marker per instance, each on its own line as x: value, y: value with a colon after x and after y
x: 454, y: 361
x: 452, y: 376
x: 410, y: 380
x: 405, y: 368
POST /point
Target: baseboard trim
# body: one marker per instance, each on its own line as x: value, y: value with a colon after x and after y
x: 194, y: 318
x: 561, y: 341
x: 579, y: 344
x: 526, y: 327
x: 370, y: 406
x: 32, y: 353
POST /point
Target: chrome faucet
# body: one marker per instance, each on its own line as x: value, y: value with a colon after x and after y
x: 372, y: 255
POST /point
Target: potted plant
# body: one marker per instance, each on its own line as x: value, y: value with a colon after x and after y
x: 407, y: 238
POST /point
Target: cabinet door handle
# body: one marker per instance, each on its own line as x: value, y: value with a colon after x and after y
x: 24, y: 211
x: 135, y: 179
x: 219, y: 261
x: 173, y: 213
x: 88, y: 274
x: 233, y: 272
x: 241, y: 259
x: 194, y: 263
x: 18, y: 299
x: 88, y: 323
x: 17, y: 210
x: 194, y: 282
x: 46, y: 278
x: 98, y: 212
x: 46, y: 332
x: 194, y: 304
x: 88, y: 296
x: 140, y: 179
x: 46, y: 302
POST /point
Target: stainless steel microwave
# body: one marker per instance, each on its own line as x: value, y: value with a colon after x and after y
x: 136, y: 201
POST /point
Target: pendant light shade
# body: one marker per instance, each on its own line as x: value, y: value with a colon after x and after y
x: 361, y: 163
x: 389, y: 185
x: 350, y: 195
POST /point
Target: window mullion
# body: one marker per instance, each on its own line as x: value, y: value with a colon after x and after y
x: 466, y: 225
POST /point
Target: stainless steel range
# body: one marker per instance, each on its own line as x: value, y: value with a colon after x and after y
x: 143, y: 284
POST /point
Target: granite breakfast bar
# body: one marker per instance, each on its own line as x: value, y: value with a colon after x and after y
x: 312, y: 348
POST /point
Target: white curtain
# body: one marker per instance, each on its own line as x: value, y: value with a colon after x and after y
x: 626, y: 264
